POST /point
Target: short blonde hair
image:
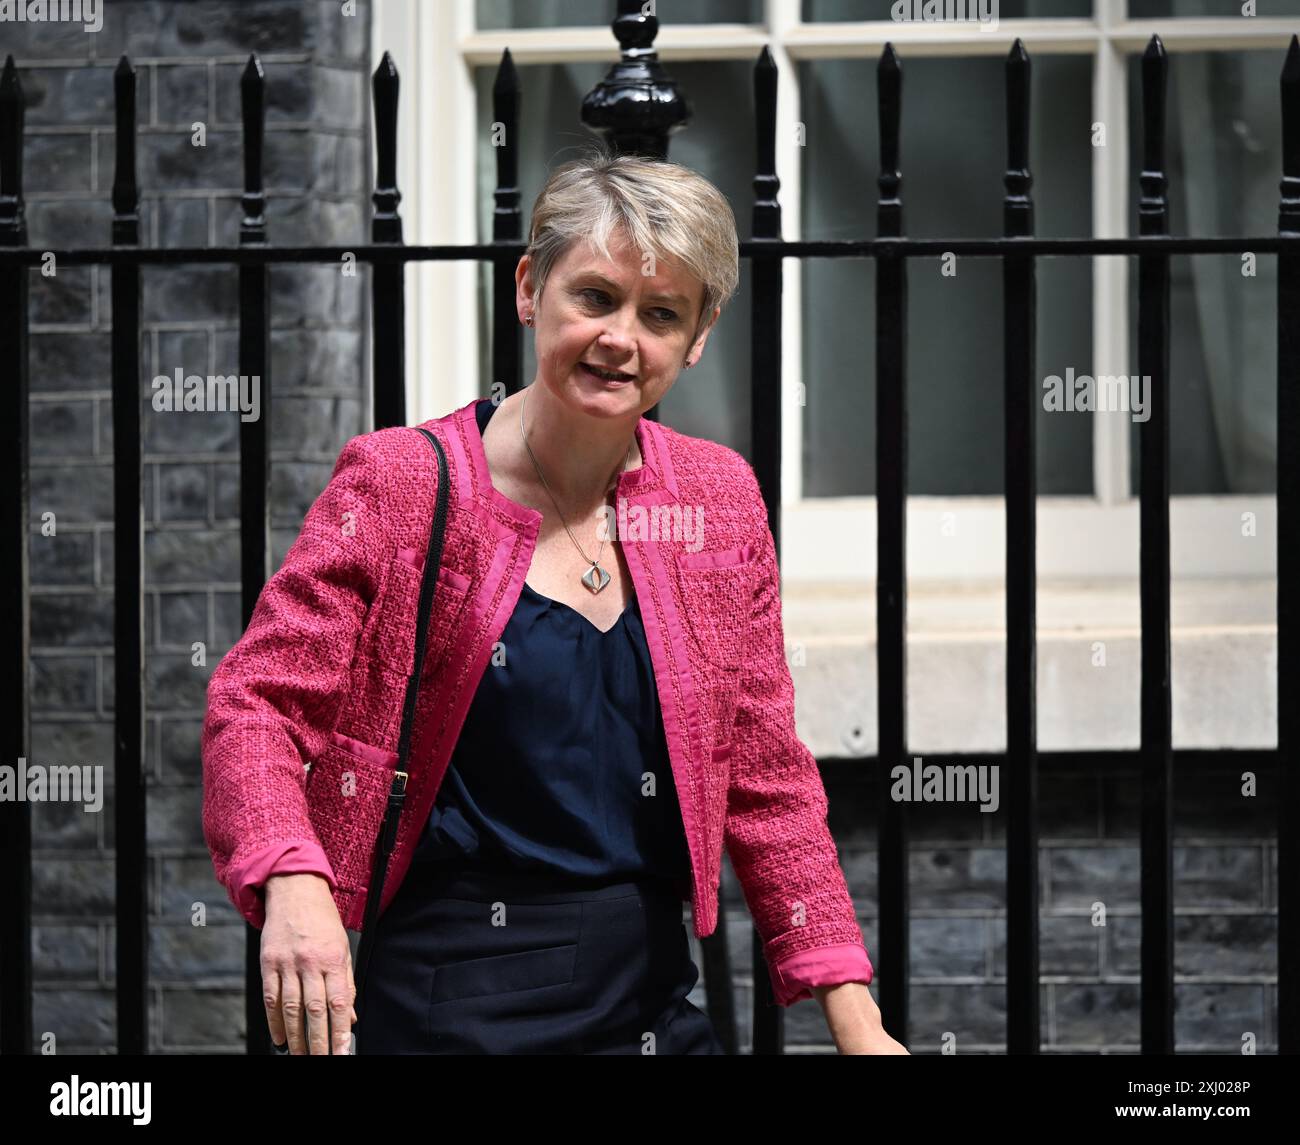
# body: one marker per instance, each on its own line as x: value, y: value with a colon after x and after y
x: 662, y: 207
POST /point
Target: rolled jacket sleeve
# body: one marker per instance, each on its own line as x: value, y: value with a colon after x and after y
x: 247, y: 880
x: 794, y: 977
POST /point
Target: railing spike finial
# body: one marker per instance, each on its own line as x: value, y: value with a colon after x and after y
x: 507, y: 77
x: 387, y: 281
x: 11, y: 87
x: 13, y: 107
x: 505, y: 113
x: 126, y: 191
x: 386, y: 223
x: 767, y: 205
x: 252, y: 92
x: 889, y: 92
x: 1288, y: 220
x: 1153, y: 203
x: 1017, y: 206
x: 507, y: 225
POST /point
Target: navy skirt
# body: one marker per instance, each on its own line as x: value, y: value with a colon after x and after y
x: 469, y: 963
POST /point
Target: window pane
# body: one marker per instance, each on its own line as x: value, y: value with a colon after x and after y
x: 1224, y: 9
x: 1004, y: 10
x: 953, y: 160
x: 1224, y: 166
x: 496, y: 14
x: 711, y: 399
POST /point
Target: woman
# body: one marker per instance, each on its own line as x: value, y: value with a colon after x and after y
x: 601, y: 709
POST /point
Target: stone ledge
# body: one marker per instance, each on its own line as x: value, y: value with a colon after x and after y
x: 1223, y: 660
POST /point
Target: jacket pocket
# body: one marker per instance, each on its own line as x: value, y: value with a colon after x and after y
x: 347, y: 794
x: 718, y: 591
x: 716, y: 558
x: 394, y: 640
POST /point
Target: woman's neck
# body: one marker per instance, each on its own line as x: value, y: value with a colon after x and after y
x: 580, y: 456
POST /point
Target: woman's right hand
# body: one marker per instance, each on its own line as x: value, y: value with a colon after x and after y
x: 307, y: 985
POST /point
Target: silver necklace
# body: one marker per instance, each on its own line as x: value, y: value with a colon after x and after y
x: 595, y: 578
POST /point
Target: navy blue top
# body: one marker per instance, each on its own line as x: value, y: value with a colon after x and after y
x: 562, y: 766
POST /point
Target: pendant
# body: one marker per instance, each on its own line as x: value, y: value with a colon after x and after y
x: 595, y: 578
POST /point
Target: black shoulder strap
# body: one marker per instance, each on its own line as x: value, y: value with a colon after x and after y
x: 432, y: 565
x: 397, y: 794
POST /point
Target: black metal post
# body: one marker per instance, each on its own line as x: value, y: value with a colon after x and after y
x: 1157, y: 762
x: 765, y: 427
x: 15, y: 619
x: 1019, y: 333
x: 131, y: 855
x: 893, y: 961
x: 254, y: 452
x: 1288, y: 566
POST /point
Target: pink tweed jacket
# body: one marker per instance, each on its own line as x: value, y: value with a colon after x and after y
x: 304, y: 712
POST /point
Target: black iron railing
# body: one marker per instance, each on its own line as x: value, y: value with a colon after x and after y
x: 387, y: 255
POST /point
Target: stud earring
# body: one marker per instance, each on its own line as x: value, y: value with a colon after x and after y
x: 528, y: 321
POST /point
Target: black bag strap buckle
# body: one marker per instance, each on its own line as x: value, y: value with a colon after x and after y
x: 396, y: 797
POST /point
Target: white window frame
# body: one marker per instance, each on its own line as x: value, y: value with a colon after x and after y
x: 436, y: 47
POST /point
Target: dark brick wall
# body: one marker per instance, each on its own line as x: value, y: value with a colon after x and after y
x: 189, y: 58
x: 1225, y: 914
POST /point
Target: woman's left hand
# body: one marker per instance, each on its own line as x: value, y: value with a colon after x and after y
x: 854, y: 1020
